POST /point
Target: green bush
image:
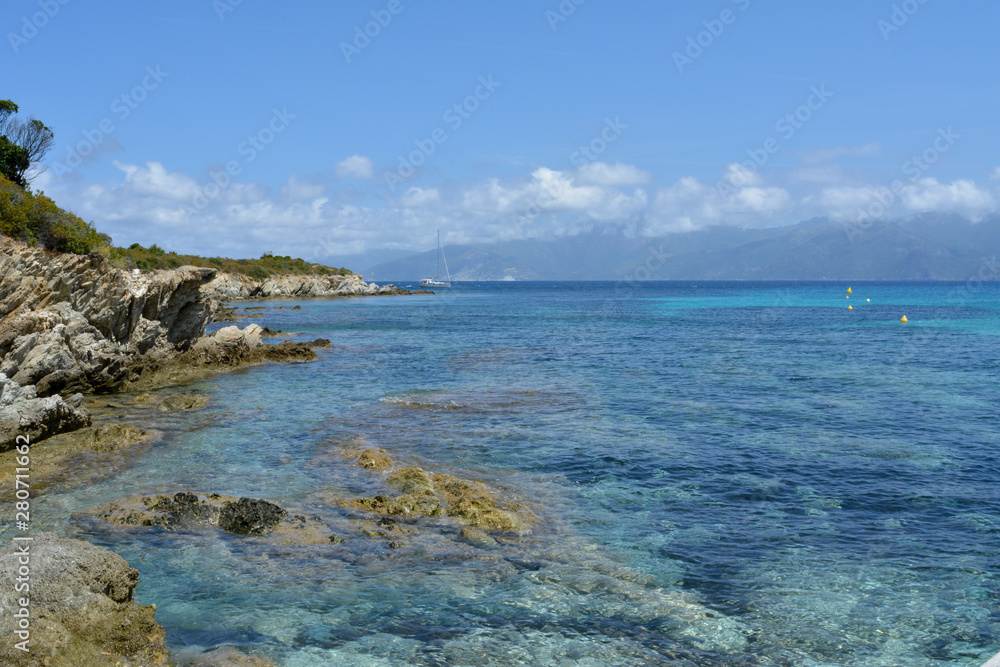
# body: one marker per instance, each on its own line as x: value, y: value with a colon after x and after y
x: 36, y: 220
x: 257, y: 273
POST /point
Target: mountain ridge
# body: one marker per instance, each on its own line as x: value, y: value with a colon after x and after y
x: 925, y: 247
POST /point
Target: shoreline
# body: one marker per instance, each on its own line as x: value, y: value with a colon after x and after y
x: 408, y: 508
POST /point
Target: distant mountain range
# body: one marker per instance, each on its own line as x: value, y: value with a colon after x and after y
x: 926, y: 247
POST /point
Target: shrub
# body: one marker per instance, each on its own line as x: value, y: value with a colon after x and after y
x: 36, y: 220
x: 257, y: 273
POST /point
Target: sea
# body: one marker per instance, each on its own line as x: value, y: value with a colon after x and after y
x: 723, y: 473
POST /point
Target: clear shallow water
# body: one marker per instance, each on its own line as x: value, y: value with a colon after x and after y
x: 822, y: 480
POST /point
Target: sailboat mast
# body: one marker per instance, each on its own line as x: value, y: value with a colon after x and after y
x: 437, y: 276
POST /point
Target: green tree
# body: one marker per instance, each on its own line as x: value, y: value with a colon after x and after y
x: 31, y: 140
x: 14, y: 161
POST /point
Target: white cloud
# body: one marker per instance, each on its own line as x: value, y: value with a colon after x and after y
x: 356, y: 166
x: 601, y: 173
x: 961, y: 196
x: 737, y: 175
x: 151, y: 204
x: 846, y: 202
x: 415, y: 197
x: 690, y: 204
x: 295, y: 189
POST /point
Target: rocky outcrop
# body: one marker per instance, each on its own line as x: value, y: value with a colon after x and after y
x: 22, y: 413
x: 81, y: 609
x: 239, y: 516
x: 233, y: 287
x: 75, y: 323
x: 420, y: 493
x: 72, y: 323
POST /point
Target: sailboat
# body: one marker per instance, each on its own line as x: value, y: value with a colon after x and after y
x: 436, y: 280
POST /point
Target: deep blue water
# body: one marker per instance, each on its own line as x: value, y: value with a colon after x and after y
x: 823, y: 481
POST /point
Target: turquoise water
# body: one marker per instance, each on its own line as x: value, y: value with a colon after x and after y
x: 725, y: 473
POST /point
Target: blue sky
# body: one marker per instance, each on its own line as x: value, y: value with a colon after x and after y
x: 346, y: 149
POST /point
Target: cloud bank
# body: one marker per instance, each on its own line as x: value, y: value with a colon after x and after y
x: 313, y: 219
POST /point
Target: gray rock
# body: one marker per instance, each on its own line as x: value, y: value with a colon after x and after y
x: 22, y: 413
x: 230, y: 287
x: 81, y: 607
x: 74, y: 323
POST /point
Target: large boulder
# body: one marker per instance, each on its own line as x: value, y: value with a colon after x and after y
x: 22, y: 413
x: 81, y: 607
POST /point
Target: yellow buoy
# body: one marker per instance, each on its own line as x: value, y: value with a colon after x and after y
x: 850, y: 308
x: 849, y: 290
x: 847, y: 297
x: 868, y: 300
x: 903, y: 319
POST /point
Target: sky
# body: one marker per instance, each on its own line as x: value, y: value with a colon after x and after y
x: 349, y: 132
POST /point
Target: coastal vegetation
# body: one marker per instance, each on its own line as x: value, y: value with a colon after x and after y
x: 154, y: 258
x: 34, y: 219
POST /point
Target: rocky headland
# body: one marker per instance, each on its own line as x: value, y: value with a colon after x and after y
x: 73, y: 323
x: 234, y: 287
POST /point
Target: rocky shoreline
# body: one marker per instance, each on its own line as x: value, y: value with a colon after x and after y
x: 72, y: 325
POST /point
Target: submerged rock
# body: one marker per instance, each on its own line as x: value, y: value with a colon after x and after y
x: 22, y: 413
x: 81, y: 606
x: 112, y: 437
x: 470, y: 503
x: 375, y: 459
x: 478, y: 538
x: 240, y: 516
x: 412, y: 481
x: 182, y: 402
x: 219, y: 656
